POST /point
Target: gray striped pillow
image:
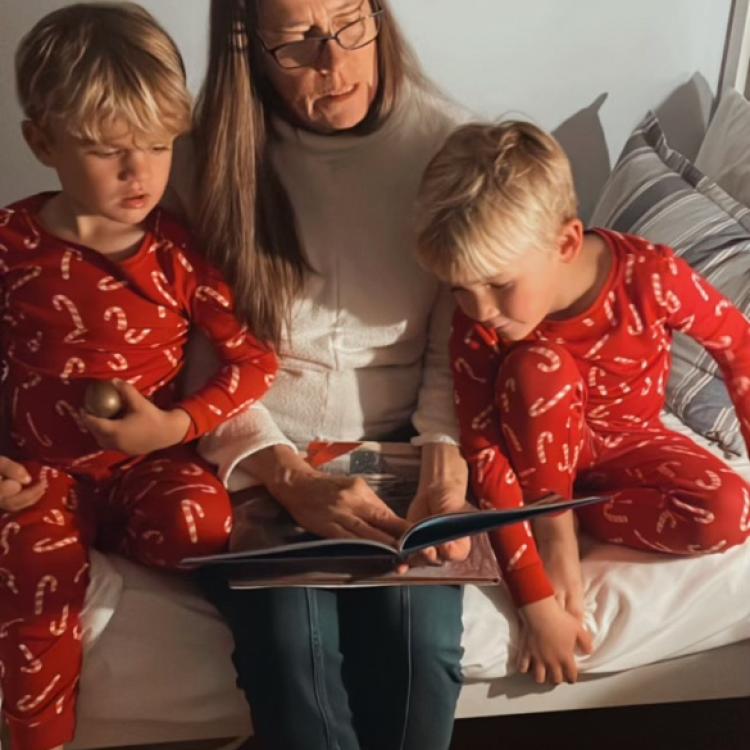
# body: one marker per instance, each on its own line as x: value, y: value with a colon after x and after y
x: 656, y: 192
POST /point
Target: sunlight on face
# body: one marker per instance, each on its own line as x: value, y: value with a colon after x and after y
x: 336, y: 91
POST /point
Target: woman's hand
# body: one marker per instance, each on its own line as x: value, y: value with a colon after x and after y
x: 442, y: 489
x: 549, y: 640
x: 144, y: 428
x: 16, y: 490
x: 325, y: 504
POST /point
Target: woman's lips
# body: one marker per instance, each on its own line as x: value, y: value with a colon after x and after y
x: 337, y: 96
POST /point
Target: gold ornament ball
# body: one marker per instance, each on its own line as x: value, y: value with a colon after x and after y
x: 102, y: 399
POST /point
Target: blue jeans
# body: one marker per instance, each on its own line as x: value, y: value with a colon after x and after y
x: 348, y: 669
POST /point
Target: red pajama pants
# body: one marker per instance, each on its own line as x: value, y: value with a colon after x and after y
x: 667, y: 493
x: 165, y: 507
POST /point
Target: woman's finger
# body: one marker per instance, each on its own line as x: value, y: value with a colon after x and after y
x: 456, y: 550
x: 540, y: 673
x: 10, y: 469
x: 570, y: 669
x: 361, y: 529
x: 23, y: 499
x: 585, y: 640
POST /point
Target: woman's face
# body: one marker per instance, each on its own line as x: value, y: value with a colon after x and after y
x: 334, y: 92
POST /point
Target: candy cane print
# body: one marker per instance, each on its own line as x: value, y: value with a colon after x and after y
x: 598, y: 412
x: 554, y: 359
x: 234, y: 381
x: 665, y: 468
x: 510, y: 477
x: 191, y: 470
x: 721, y: 305
x: 162, y: 311
x: 188, y: 506
x: 596, y: 348
x: 724, y: 342
x: 510, y: 436
x: 696, y: 549
x: 629, y: 268
x: 110, y: 284
x: 171, y: 357
x: 25, y: 279
x: 508, y: 387
x: 68, y: 255
x: 682, y: 450
x: 184, y: 262
x: 241, y: 407
x: 593, y: 377
x: 517, y: 555
x: 118, y: 363
x: 34, y: 665
x: 8, y: 529
x: 207, y: 488
x: 741, y: 385
x: 668, y: 301
x: 134, y: 336
x: 714, y: 481
x: 77, y: 577
x: 60, y: 302
x: 63, y: 408
x: 45, y: 582
x: 160, y: 282
x: 74, y: 364
x: 47, y: 545
x: 540, y: 406
x: 665, y: 517
x: 609, y: 310
x: 461, y: 365
x: 544, y: 437
x: 58, y: 628
x: 59, y: 703
x: 637, y: 328
x: 5, y: 216
x: 77, y: 462
x: 745, y: 517
x: 8, y: 580
x: 660, y: 385
x: 608, y: 511
x: 237, y: 340
x: 228, y: 523
x: 43, y: 439
x: 483, y: 419
x: 54, y: 517
x: 700, y: 515
x: 5, y: 627
x: 697, y: 284
x: 116, y: 312
x: 29, y: 703
x: 658, y: 546
x: 566, y: 465
x: 482, y: 462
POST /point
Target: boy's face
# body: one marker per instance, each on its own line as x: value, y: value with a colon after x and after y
x: 514, y: 301
x: 533, y: 285
x: 117, y: 179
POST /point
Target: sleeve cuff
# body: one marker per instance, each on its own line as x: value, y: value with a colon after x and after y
x: 528, y: 584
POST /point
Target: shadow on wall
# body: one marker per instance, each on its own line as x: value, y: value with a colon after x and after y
x: 582, y: 137
x: 684, y: 115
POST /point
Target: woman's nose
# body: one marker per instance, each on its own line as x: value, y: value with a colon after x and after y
x: 330, y: 57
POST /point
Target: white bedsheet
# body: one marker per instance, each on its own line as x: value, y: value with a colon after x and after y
x: 155, y: 651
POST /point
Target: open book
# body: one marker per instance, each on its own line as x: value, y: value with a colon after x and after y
x: 267, y: 548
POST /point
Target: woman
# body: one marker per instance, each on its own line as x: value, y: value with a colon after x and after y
x: 313, y: 128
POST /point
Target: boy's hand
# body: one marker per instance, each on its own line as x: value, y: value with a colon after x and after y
x: 549, y: 641
x: 16, y: 490
x: 144, y: 428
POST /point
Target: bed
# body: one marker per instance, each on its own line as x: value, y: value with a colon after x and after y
x: 157, y: 665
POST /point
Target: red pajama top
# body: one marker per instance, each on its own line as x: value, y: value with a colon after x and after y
x: 621, y: 346
x: 71, y: 315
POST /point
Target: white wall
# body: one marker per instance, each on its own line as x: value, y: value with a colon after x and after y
x: 547, y: 59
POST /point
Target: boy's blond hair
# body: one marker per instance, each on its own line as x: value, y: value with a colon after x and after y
x: 90, y: 64
x: 491, y: 192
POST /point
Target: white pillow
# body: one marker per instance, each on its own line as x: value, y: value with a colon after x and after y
x: 724, y: 155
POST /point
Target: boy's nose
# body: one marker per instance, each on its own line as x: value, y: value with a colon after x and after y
x: 482, y: 307
x: 134, y: 166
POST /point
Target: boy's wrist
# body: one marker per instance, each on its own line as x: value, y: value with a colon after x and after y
x: 177, y: 423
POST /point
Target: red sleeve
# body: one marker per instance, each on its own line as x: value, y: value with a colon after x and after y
x: 475, y: 360
x: 248, y: 366
x: 699, y: 310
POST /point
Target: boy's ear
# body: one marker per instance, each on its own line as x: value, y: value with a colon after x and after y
x: 38, y: 141
x: 570, y: 240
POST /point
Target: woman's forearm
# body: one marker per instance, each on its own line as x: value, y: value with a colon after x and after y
x: 441, y: 464
x: 277, y: 467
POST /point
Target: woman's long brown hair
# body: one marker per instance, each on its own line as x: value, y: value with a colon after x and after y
x: 245, y: 221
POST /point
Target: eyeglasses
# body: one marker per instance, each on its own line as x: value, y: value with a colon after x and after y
x: 306, y: 52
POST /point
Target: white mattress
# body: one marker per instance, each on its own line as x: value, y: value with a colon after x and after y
x: 157, y: 655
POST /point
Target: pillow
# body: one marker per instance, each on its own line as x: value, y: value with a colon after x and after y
x: 657, y: 193
x: 725, y: 153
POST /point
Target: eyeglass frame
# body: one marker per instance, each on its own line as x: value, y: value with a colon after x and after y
x: 322, y: 40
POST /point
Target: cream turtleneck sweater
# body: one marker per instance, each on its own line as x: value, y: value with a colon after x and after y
x: 368, y: 352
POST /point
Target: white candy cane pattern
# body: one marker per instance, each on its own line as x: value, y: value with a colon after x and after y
x: 483, y: 461
x: 8, y: 580
x: 64, y: 408
x: 161, y: 283
x: 42, y: 439
x: 462, y: 366
x: 58, y: 628
x: 29, y: 703
x: 483, y: 419
x: 544, y: 437
x: 33, y: 665
x: 713, y: 483
x: 110, y: 284
x: 118, y: 363
x: 699, y: 286
x: 68, y: 255
x: 517, y: 555
x: 9, y: 529
x: 47, y: 545
x: 700, y: 515
x: 206, y: 293
x: 45, y: 583
x: 117, y: 314
x: 61, y: 302
x: 134, y: 336
x: 191, y: 510
x: 668, y: 301
x: 6, y: 626
x: 637, y: 328
x: 511, y: 438
x: 745, y: 517
x: 554, y: 360
x: 540, y: 406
